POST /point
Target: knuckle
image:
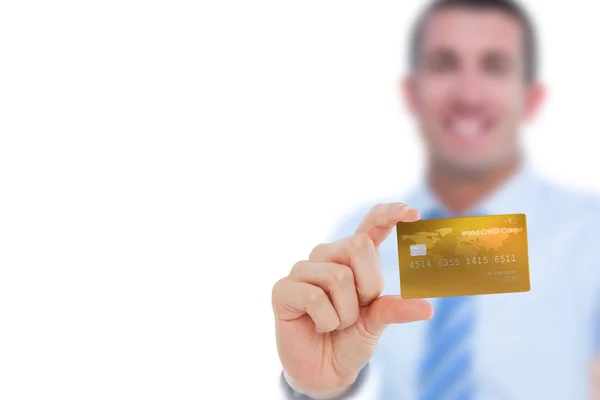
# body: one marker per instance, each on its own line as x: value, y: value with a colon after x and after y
x: 275, y: 291
x: 374, y: 289
x: 349, y: 315
x: 318, y: 249
x: 360, y: 242
x: 399, y: 206
x: 298, y: 266
x: 315, y: 296
x: 379, y: 206
x: 342, y: 276
x: 374, y: 292
x: 370, y: 295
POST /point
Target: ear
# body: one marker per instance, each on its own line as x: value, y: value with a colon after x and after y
x: 408, y: 89
x: 535, y: 96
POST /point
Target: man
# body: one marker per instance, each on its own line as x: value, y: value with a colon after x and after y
x: 473, y: 83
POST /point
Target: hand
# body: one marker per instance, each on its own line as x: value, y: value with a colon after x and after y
x: 328, y: 311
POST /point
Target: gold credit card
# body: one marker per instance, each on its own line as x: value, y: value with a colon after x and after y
x: 463, y: 256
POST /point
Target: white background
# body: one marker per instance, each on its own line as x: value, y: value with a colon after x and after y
x: 163, y: 163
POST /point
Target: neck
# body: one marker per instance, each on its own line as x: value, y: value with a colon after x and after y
x: 458, y: 190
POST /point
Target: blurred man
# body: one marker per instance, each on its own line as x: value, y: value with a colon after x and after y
x: 473, y: 84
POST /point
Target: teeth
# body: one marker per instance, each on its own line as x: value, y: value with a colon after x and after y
x: 467, y: 128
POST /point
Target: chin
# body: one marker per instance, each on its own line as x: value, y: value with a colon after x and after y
x: 469, y: 166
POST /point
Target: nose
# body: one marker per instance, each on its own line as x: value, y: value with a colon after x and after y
x: 468, y: 90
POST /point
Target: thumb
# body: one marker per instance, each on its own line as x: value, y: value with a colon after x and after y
x: 387, y: 310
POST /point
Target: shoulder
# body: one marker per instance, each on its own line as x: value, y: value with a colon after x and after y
x: 564, y: 226
x: 568, y: 206
x: 575, y: 224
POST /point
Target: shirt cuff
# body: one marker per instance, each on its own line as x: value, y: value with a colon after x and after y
x: 364, y: 387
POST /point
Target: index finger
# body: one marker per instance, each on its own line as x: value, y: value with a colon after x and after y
x: 382, y: 219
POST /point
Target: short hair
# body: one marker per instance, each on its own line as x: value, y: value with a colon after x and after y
x: 509, y: 7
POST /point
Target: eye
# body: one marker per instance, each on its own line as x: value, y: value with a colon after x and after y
x: 498, y: 64
x: 440, y: 62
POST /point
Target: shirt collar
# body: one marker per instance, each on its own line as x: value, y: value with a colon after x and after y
x: 512, y: 197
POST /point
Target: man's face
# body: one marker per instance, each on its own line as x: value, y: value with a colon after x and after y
x: 469, y: 92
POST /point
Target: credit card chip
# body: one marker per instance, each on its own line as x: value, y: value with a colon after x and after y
x: 418, y: 250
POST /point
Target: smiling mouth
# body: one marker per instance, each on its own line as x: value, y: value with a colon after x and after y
x: 468, y: 130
